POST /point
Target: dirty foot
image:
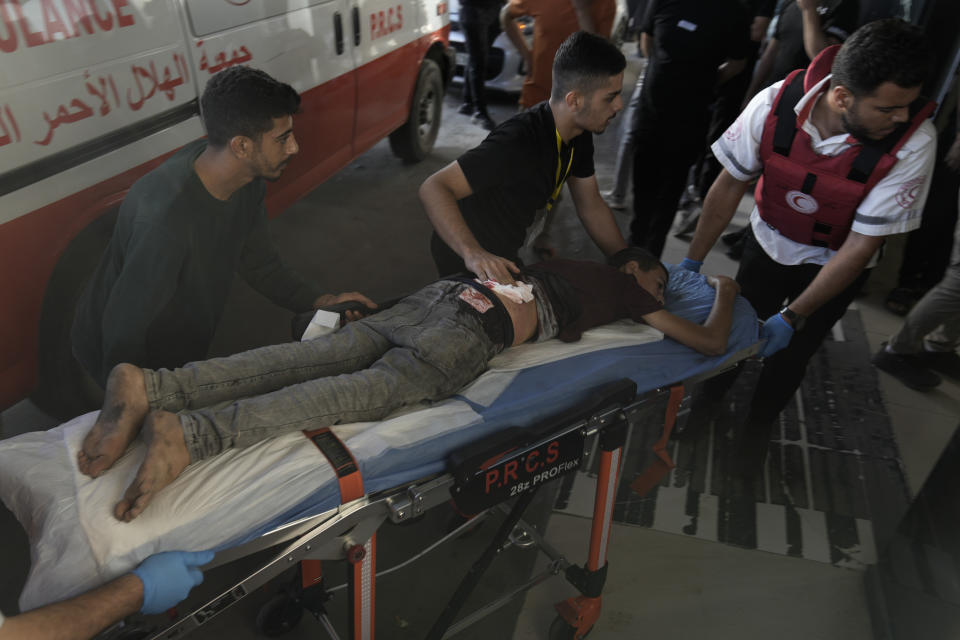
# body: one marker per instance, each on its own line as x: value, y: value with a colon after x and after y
x: 124, y: 407
x: 167, y: 457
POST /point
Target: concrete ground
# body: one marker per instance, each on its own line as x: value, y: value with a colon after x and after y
x: 365, y: 230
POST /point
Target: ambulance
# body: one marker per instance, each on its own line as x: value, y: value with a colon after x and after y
x: 96, y: 93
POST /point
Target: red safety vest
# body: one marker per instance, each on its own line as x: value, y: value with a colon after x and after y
x: 811, y: 198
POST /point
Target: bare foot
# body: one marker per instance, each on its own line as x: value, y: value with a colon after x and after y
x: 167, y: 457
x: 124, y: 407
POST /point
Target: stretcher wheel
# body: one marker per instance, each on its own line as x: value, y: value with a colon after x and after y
x: 281, y: 614
x: 560, y: 629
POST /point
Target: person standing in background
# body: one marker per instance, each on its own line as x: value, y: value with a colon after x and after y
x: 726, y: 107
x: 692, y: 46
x: 804, y: 29
x: 479, y: 19
x: 926, y: 255
x: 554, y: 22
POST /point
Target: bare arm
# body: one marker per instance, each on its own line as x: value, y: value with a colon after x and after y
x: 509, y: 26
x: 439, y: 194
x: 585, y: 16
x: 330, y: 299
x: 953, y: 153
x: 646, y: 44
x: 718, y: 208
x: 835, y: 276
x: 711, y: 337
x: 758, y: 28
x: 814, y: 39
x: 762, y: 71
x: 595, y: 215
x: 81, y: 617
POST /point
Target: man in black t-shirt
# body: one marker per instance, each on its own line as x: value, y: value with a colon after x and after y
x: 482, y: 205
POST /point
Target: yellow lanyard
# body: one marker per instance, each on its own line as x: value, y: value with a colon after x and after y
x: 560, y: 180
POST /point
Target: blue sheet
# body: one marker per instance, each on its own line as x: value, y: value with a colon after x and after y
x: 546, y: 390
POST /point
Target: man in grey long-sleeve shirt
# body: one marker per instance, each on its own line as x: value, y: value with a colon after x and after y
x: 187, y: 226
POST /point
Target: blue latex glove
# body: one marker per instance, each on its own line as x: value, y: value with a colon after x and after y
x: 778, y: 333
x: 691, y: 265
x: 169, y: 576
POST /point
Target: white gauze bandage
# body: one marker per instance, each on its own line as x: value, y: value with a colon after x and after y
x: 519, y: 293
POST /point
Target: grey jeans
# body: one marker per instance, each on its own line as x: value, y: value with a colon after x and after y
x: 424, y: 348
x: 934, y: 322
x: 623, y: 169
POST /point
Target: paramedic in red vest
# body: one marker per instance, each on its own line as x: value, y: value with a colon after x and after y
x: 844, y: 159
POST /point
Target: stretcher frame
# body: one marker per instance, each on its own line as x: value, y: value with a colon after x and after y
x: 349, y: 531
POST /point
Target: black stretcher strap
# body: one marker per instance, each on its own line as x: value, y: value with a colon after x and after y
x: 342, y: 462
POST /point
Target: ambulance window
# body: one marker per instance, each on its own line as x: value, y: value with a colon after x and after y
x: 211, y: 16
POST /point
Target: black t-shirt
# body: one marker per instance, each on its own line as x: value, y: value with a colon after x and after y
x: 599, y: 294
x: 691, y: 38
x: 512, y: 174
x: 838, y: 18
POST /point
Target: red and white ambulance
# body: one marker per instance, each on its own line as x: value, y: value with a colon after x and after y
x: 95, y: 93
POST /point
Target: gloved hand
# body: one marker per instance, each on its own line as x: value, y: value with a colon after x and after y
x: 778, y: 333
x: 691, y: 265
x: 169, y: 576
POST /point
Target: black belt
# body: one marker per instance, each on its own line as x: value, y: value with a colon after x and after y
x: 498, y: 328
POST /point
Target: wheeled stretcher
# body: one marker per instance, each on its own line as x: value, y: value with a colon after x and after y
x: 327, y: 495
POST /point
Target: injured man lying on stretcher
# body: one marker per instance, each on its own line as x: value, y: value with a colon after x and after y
x: 424, y: 348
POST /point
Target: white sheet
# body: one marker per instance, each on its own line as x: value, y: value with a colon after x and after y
x: 217, y: 500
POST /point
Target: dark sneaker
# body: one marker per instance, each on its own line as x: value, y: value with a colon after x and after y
x: 946, y: 362
x: 466, y: 109
x: 485, y: 121
x: 908, y: 369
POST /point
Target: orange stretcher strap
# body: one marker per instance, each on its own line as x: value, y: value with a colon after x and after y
x: 663, y: 464
x: 342, y: 461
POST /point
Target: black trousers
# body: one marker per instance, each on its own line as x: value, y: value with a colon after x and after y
x: 664, y: 151
x: 724, y: 111
x: 768, y: 285
x: 480, y: 29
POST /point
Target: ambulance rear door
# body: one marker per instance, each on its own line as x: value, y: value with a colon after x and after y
x: 387, y: 57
